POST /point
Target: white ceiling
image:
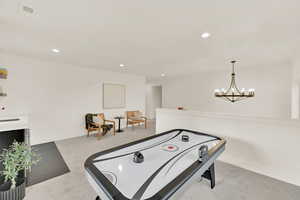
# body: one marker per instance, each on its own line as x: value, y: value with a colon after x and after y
x: 154, y: 36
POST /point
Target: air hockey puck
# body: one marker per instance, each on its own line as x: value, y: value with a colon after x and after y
x: 185, y: 138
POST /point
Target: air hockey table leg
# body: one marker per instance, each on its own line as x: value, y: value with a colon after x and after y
x: 210, y: 175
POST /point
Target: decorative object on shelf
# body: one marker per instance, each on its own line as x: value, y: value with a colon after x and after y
x: 180, y: 108
x: 233, y: 93
x: 16, y: 161
x: 3, y: 73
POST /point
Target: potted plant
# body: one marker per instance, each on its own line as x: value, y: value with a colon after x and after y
x: 16, y: 160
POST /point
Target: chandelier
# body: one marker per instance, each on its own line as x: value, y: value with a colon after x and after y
x: 233, y: 93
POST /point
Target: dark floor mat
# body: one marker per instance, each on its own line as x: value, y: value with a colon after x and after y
x: 51, y: 165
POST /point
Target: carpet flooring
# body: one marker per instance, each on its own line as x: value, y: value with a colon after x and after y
x: 232, y: 183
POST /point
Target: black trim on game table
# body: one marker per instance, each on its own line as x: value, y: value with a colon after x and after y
x: 166, y: 191
x: 140, y: 150
x: 144, y: 187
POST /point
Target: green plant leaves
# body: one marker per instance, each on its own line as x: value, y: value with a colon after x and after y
x: 15, y: 159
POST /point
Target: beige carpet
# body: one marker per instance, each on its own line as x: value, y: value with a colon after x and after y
x: 233, y: 183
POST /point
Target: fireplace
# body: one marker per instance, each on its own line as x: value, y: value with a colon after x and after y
x: 13, y: 129
x: 8, y: 137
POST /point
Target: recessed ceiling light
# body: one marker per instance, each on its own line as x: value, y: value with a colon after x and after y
x: 122, y: 65
x: 205, y: 35
x: 163, y: 75
x: 28, y: 9
x: 56, y: 50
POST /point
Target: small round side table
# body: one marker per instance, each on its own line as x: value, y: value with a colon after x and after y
x: 119, y: 122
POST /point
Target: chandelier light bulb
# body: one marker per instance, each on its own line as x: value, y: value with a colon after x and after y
x: 217, y: 90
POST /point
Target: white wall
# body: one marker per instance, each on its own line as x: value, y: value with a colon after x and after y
x: 196, y: 92
x: 266, y: 146
x: 56, y: 97
x: 153, y: 100
x: 295, y: 101
x: 261, y: 135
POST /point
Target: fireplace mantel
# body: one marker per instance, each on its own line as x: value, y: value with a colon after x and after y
x: 13, y: 123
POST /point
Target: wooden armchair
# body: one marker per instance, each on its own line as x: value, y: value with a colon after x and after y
x: 135, y: 117
x: 105, y: 121
x: 99, y: 126
x: 90, y: 125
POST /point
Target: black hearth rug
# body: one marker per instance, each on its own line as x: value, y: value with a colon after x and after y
x: 51, y: 164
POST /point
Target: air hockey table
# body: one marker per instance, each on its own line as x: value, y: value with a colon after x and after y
x: 154, y: 168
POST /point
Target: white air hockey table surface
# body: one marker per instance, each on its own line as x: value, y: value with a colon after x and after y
x: 169, y: 162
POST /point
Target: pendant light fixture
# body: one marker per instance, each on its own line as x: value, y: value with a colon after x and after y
x: 233, y: 93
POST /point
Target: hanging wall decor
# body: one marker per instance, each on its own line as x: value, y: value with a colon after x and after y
x: 3, y: 73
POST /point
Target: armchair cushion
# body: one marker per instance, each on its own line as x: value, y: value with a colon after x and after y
x: 89, y: 121
x: 98, y: 120
x: 135, y: 115
x: 106, y: 128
